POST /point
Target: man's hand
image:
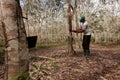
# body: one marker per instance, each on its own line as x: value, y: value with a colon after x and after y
x: 77, y: 31
x: 74, y: 31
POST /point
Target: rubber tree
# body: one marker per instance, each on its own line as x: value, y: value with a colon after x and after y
x: 77, y: 37
x: 70, y: 39
x: 16, y: 52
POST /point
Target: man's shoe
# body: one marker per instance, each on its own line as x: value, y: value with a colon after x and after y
x: 87, y: 53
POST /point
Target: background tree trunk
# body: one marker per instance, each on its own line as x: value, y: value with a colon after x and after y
x: 16, y: 53
x: 70, y: 39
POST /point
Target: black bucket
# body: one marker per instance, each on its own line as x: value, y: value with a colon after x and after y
x: 32, y: 40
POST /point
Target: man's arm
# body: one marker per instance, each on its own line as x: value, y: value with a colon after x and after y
x: 78, y: 31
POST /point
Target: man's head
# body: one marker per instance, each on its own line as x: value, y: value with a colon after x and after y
x: 82, y: 18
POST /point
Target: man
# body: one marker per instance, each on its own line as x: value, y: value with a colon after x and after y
x: 85, y: 29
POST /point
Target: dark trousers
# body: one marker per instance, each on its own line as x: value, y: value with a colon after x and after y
x: 86, y: 44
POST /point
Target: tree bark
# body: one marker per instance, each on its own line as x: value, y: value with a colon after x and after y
x: 77, y: 40
x: 16, y: 52
x: 70, y: 39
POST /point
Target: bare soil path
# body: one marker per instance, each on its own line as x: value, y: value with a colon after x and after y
x: 102, y: 64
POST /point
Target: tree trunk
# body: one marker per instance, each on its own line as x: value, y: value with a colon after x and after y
x: 75, y: 14
x: 77, y: 40
x: 16, y: 52
x: 70, y: 39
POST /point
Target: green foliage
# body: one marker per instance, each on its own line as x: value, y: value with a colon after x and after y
x: 2, y: 53
x: 1, y: 43
x: 35, y: 66
x: 38, y: 71
x: 55, y: 65
x: 57, y: 2
x: 92, y: 39
x: 43, y: 69
x: 22, y: 76
x: 34, y: 73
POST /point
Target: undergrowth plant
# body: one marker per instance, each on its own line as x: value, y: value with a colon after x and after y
x: 42, y: 72
x: 36, y: 72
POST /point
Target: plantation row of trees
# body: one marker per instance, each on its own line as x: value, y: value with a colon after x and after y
x: 49, y: 16
x: 103, y: 16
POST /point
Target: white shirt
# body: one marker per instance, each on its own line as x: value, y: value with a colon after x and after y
x: 86, y: 27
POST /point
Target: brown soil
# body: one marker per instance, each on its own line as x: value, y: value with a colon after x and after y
x: 102, y: 64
